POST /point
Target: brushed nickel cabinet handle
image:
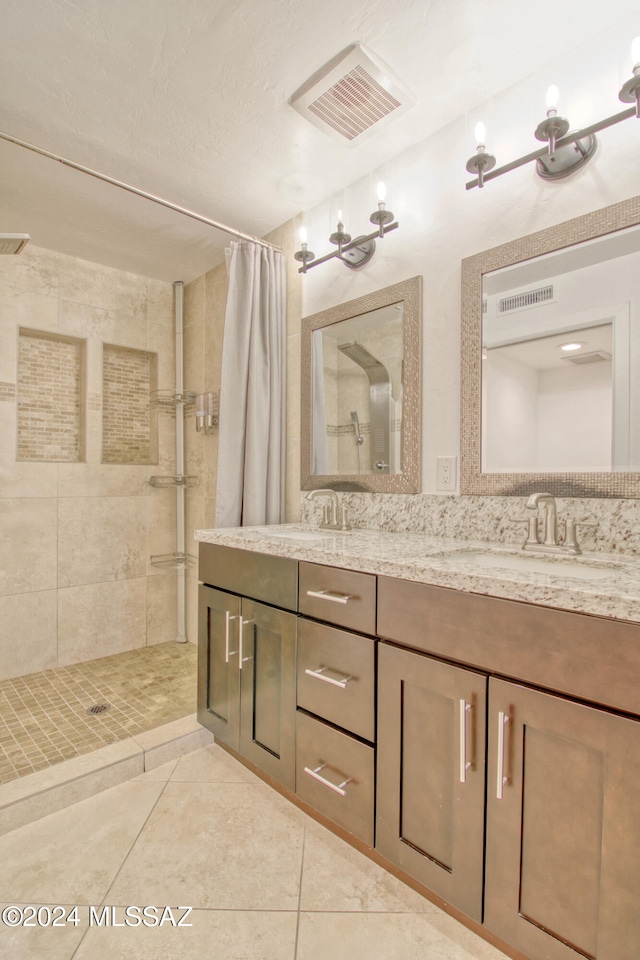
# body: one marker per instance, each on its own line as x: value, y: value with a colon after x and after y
x: 227, y: 617
x: 503, y: 720
x: 331, y: 595
x: 319, y: 674
x: 337, y: 788
x: 464, y: 764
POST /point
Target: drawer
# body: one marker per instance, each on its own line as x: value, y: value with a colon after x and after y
x: 340, y: 778
x: 274, y: 580
x: 336, y: 677
x: 338, y: 596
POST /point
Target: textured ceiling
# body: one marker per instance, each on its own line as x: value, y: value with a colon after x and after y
x: 189, y: 101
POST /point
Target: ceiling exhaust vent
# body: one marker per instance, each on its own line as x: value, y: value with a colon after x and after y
x: 530, y: 298
x: 595, y: 356
x: 13, y: 242
x: 353, y: 95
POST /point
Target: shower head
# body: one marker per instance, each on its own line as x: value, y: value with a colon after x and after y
x: 375, y: 370
x: 356, y: 427
x: 13, y: 242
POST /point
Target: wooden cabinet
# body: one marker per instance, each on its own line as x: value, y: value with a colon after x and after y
x: 431, y: 773
x: 563, y: 831
x: 246, y: 679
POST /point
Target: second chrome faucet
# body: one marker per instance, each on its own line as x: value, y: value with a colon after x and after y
x: 549, y: 542
x: 334, y: 516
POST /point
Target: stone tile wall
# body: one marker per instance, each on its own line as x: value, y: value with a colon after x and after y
x: 76, y: 537
x: 128, y: 379
x: 50, y: 397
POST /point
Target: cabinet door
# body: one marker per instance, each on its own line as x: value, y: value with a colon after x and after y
x: 431, y: 773
x: 218, y: 675
x: 268, y: 690
x: 563, y: 831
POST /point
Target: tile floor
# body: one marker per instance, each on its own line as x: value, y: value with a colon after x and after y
x: 43, y: 718
x: 265, y: 881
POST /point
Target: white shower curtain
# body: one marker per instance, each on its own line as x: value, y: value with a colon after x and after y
x: 251, y: 451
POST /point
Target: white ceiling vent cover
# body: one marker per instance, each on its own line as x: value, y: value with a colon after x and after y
x: 595, y: 356
x: 352, y: 96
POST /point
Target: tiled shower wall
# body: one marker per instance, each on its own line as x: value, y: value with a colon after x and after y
x: 76, y: 537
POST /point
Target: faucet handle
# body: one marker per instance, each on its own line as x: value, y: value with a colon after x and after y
x: 532, y: 528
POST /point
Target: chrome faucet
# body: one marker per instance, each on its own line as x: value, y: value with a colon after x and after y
x: 549, y: 543
x: 334, y: 516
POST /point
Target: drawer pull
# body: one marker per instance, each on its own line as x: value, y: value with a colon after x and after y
x: 330, y: 595
x: 337, y: 788
x: 503, y: 719
x: 319, y: 674
x: 464, y: 763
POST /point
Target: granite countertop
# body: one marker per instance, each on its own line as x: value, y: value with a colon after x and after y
x: 601, y: 584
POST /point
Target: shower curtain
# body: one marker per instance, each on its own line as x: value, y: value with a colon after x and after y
x: 251, y: 451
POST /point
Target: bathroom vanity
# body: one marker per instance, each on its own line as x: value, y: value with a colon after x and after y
x: 475, y: 724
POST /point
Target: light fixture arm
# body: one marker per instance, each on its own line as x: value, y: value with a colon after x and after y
x: 344, y: 248
x: 567, y: 140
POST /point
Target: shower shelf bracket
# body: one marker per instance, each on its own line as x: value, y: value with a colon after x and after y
x: 177, y: 481
x: 174, y: 561
x: 177, y: 398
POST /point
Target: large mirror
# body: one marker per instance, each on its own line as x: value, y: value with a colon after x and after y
x: 551, y: 360
x: 361, y: 385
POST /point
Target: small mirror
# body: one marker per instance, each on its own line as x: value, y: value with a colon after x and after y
x: 361, y: 393
x: 551, y: 373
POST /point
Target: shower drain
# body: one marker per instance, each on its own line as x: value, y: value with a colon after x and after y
x: 98, y: 708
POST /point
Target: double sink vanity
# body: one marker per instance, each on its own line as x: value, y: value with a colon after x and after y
x: 467, y: 711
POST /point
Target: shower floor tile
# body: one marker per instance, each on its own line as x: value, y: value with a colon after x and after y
x: 44, y: 719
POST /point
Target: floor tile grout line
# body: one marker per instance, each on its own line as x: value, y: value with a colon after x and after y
x: 135, y: 840
x: 304, y: 844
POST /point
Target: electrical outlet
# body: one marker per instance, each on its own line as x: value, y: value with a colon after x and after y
x: 446, y: 469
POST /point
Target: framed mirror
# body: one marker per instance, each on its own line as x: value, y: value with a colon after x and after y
x: 551, y: 361
x: 361, y: 393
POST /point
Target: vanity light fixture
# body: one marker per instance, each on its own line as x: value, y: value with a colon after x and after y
x: 564, y: 152
x: 353, y: 253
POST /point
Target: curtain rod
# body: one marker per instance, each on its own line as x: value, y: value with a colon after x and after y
x: 239, y: 234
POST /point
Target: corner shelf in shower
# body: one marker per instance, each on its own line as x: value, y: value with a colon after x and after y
x: 174, y: 561
x: 177, y: 481
x: 174, y: 398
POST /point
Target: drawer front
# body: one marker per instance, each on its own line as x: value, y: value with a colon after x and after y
x: 335, y: 775
x: 273, y: 580
x: 338, y: 596
x: 336, y: 677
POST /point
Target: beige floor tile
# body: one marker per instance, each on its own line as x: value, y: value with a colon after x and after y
x: 158, y: 774
x: 384, y: 936
x: 43, y: 941
x: 335, y: 877
x: 72, y: 856
x: 216, y: 845
x: 214, y: 935
x: 212, y: 765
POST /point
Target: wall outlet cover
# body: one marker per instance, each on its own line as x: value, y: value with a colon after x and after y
x: 446, y: 473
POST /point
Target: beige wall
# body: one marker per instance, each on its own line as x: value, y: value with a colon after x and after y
x: 204, y: 307
x: 75, y: 538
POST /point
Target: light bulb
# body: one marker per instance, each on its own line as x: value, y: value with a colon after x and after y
x: 339, y: 216
x: 481, y: 134
x: 303, y: 234
x: 553, y: 96
x: 381, y: 191
x: 635, y: 52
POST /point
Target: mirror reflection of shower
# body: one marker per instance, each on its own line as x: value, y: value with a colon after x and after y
x: 379, y: 405
x: 359, y: 437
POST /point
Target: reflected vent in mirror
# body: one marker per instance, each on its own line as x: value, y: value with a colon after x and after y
x: 595, y: 356
x: 530, y: 298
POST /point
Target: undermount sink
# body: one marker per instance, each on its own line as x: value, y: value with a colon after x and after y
x: 577, y: 569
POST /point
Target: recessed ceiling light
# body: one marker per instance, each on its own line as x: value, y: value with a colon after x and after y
x: 574, y: 345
